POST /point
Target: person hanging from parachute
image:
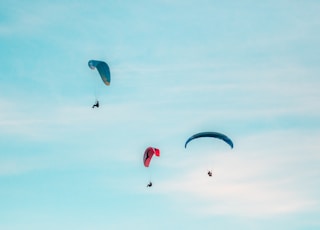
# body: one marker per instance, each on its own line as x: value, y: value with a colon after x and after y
x: 147, y: 156
x: 104, y: 72
x: 96, y: 104
x: 210, y: 134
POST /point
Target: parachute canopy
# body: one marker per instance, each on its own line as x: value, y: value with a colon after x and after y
x: 148, y: 154
x: 210, y: 134
x: 103, y: 70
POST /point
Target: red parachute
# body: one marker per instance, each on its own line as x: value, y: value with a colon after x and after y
x: 148, y: 154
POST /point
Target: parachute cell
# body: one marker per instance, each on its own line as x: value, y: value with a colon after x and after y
x: 148, y: 154
x: 103, y: 70
x: 210, y: 134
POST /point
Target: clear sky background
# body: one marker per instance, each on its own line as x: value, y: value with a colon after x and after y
x: 249, y: 69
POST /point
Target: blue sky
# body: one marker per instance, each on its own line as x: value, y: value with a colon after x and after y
x: 248, y: 69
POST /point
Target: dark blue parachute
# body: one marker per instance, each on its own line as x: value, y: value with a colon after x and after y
x: 103, y: 70
x: 211, y: 134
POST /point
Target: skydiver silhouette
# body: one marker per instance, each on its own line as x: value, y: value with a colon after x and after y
x: 150, y: 184
x: 96, y: 104
x: 210, y: 173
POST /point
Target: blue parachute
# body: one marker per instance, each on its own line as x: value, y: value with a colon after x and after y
x: 103, y: 70
x: 210, y: 134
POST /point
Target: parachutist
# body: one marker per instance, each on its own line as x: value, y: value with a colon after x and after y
x: 147, y: 156
x: 96, y: 104
x: 210, y: 173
